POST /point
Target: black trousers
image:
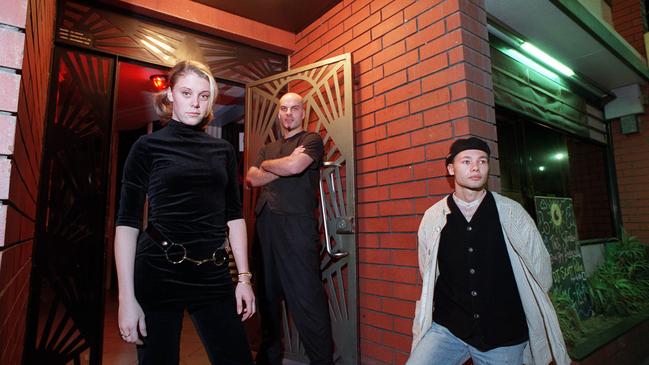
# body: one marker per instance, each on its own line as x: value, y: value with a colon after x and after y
x: 290, y: 248
x: 217, y: 324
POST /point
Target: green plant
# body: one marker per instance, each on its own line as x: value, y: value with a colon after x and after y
x: 620, y: 286
x: 569, y: 321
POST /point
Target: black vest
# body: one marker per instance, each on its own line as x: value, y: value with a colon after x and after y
x: 476, y: 296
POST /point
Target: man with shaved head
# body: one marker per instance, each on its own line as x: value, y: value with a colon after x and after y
x: 288, y: 171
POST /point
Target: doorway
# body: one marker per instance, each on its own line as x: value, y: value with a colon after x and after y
x: 98, y: 106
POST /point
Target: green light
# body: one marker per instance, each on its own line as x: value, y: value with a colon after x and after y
x: 541, y: 168
x: 530, y: 63
x: 547, y: 59
x: 559, y: 156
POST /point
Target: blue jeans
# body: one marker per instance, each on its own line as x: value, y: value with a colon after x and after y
x: 440, y: 347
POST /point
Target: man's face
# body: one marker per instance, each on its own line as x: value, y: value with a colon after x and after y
x: 470, y: 169
x: 291, y: 112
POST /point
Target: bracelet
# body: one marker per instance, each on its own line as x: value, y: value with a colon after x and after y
x: 244, y: 282
x: 245, y: 273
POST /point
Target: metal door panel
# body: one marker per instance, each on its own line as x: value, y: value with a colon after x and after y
x: 326, y: 87
x: 65, y: 317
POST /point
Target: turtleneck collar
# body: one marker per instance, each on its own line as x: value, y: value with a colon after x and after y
x: 182, y: 127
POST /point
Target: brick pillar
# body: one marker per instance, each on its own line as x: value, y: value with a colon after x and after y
x: 26, y: 35
x: 632, y: 176
x: 422, y: 78
x: 632, y: 170
x: 627, y: 19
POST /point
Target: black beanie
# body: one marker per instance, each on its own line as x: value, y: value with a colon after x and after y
x: 471, y: 143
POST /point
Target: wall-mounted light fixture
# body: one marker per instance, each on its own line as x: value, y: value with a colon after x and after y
x: 517, y: 47
x: 546, y: 59
x: 531, y: 63
x: 160, y: 82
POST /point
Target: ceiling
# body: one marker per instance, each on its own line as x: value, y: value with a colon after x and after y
x: 551, y: 30
x: 290, y: 15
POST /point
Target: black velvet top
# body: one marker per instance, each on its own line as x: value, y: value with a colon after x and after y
x: 190, y: 178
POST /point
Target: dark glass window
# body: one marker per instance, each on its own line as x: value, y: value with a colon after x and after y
x: 539, y: 161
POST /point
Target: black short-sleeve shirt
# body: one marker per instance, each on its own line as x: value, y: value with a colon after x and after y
x: 296, y: 194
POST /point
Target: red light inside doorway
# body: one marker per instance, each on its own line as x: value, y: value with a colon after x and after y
x: 159, y: 81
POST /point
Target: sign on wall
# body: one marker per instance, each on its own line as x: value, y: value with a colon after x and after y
x: 555, y: 219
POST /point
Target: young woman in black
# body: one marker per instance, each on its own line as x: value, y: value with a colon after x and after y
x: 179, y: 261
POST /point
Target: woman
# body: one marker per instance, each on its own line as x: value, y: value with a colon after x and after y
x: 179, y: 262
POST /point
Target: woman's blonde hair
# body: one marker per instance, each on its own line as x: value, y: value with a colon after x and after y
x: 164, y: 107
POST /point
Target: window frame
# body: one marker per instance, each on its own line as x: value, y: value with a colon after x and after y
x: 527, y: 183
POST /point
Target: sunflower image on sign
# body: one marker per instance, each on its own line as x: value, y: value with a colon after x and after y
x: 555, y: 214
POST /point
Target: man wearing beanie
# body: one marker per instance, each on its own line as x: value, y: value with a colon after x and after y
x: 485, y: 276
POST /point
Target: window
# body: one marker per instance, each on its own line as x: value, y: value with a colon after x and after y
x: 539, y: 161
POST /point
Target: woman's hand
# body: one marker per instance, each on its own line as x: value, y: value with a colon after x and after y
x: 245, y: 300
x: 131, y: 322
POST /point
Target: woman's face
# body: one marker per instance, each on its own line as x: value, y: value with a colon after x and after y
x: 190, y: 97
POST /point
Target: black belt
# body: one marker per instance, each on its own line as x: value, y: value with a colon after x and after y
x: 176, y: 253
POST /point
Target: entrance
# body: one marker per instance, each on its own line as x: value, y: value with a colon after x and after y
x: 99, y: 106
x: 72, y: 263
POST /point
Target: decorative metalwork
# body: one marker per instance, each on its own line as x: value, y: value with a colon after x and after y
x: 66, y: 299
x: 326, y: 87
x: 139, y: 39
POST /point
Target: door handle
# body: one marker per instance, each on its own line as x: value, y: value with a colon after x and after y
x: 344, y: 225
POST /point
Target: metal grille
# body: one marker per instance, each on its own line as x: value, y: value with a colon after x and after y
x: 66, y: 298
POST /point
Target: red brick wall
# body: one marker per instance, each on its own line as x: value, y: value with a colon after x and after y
x: 627, y: 19
x: 422, y: 78
x: 632, y: 169
x: 27, y: 53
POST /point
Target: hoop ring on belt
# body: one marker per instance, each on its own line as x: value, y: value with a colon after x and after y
x: 176, y: 253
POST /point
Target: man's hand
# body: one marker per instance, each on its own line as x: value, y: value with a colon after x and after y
x: 259, y: 177
x: 293, y: 164
x: 298, y: 150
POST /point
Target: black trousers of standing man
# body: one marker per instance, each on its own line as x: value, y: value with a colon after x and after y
x: 290, y: 247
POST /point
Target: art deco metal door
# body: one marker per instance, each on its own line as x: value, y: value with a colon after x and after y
x: 326, y: 87
x: 66, y: 297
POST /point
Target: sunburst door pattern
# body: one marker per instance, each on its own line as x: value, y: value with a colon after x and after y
x: 66, y: 307
x: 326, y: 89
x: 142, y: 40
